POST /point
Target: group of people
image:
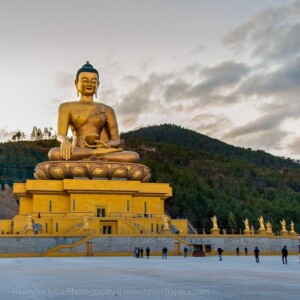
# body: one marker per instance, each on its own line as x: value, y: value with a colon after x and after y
x: 284, y: 253
x: 138, y: 252
x: 238, y: 251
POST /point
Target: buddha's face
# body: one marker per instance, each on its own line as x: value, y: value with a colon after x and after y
x: 87, y: 83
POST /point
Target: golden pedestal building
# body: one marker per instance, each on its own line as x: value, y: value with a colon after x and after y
x: 82, y: 206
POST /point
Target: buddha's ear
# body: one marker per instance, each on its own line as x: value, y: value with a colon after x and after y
x: 76, y: 82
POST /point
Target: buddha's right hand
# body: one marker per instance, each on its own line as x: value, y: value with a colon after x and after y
x: 66, y: 149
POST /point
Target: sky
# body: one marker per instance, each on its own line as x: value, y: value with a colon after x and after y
x: 229, y: 69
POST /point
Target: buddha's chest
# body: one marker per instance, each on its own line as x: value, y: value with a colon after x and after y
x: 87, y: 115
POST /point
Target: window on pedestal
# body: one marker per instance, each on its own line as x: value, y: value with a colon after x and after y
x: 50, y: 205
x: 74, y: 205
x: 101, y: 212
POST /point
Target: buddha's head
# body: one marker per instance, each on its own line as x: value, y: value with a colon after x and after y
x: 87, y: 80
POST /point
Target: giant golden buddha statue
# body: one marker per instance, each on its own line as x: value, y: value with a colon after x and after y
x: 95, y: 151
x: 93, y: 124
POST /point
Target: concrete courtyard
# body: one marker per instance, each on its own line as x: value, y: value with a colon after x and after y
x: 236, y: 277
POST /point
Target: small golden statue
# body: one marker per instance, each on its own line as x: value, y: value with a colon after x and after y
x: 29, y: 222
x: 261, y: 223
x: 166, y: 227
x: 252, y: 230
x: 215, y: 229
x: 292, y: 232
x: 29, y: 225
x: 283, y: 225
x: 86, y: 225
x: 262, y: 229
x: 247, y: 229
x: 269, y: 228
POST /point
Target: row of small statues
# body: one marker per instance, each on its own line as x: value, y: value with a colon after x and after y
x: 263, y: 227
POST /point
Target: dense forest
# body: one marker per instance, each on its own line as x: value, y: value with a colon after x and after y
x: 208, y: 176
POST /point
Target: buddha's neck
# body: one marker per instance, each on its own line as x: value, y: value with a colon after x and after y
x: 86, y: 99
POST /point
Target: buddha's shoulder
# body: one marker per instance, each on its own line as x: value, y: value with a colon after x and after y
x: 105, y: 107
x: 74, y: 104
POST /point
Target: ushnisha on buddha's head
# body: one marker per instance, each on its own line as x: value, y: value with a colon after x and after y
x: 87, y: 80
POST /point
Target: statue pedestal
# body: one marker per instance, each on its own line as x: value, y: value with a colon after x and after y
x: 269, y: 232
x: 215, y: 231
x: 292, y: 233
x: 247, y: 232
x: 283, y: 232
x: 29, y: 230
x: 111, y: 206
x: 262, y: 231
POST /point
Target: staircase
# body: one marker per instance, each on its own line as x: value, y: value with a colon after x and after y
x: 59, y: 247
x: 191, y: 228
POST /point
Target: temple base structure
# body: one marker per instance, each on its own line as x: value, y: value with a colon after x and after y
x: 90, y: 206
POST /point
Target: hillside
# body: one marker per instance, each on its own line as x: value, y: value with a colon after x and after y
x: 208, y: 176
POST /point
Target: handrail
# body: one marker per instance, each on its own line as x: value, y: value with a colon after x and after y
x: 59, y: 247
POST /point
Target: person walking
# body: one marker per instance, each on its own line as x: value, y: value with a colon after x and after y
x: 237, y: 251
x: 142, y: 252
x: 246, y: 251
x: 256, y: 254
x: 284, y: 253
x: 185, y: 251
x: 148, y: 252
x: 164, y: 252
x: 220, y: 251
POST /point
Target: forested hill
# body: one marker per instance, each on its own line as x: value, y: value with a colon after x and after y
x: 188, y: 139
x: 208, y: 176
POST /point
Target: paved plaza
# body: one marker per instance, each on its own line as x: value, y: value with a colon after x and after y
x: 236, y: 277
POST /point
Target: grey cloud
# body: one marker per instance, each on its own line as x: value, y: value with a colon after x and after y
x: 210, y: 124
x: 179, y: 90
x: 138, y: 99
x: 283, y: 81
x: 294, y: 146
x: 268, y: 140
x: 199, y: 48
x: 63, y: 80
x: 226, y: 75
x: 273, y: 32
x: 266, y: 122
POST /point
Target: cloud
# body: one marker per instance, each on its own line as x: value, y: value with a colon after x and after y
x: 139, y: 99
x: 284, y: 81
x: 63, y: 80
x: 210, y: 124
x: 273, y: 32
x: 294, y: 146
x: 198, y: 49
x: 219, y: 80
